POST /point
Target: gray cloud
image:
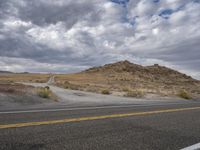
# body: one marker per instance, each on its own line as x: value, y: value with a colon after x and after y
x: 49, y: 12
x: 68, y: 35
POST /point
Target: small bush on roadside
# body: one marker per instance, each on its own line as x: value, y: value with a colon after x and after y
x: 71, y: 87
x: 125, y: 89
x: 135, y: 93
x: 105, y: 91
x: 47, y: 87
x: 44, y: 92
x: 37, y: 81
x: 92, y: 89
x: 74, y: 87
x: 68, y: 85
x: 184, y: 94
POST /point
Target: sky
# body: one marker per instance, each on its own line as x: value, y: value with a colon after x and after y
x: 67, y: 36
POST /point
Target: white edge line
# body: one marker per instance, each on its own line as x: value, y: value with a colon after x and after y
x: 193, y: 147
x: 85, y: 108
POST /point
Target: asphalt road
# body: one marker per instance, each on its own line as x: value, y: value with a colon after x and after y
x: 125, y: 127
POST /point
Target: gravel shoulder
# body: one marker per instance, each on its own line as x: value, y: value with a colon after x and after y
x: 73, y: 98
x: 79, y: 98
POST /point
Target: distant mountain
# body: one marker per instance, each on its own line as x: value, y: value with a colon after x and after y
x: 1, y: 72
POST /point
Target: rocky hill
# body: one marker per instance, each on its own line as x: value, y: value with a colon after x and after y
x: 127, y: 77
x: 126, y: 70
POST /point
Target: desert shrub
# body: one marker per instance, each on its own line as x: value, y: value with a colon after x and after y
x: 105, y: 91
x: 125, y: 89
x: 44, y: 92
x: 184, y: 94
x: 66, y: 82
x: 92, y: 89
x: 74, y: 87
x: 47, y: 87
x: 68, y: 85
x: 71, y: 86
x: 37, y: 81
x: 135, y: 93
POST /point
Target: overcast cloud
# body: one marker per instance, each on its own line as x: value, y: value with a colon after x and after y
x: 72, y: 35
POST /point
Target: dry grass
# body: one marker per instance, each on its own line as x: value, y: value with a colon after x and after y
x: 14, y: 88
x: 126, y: 89
x: 68, y: 85
x: 92, y: 88
x: 135, y: 93
x: 39, y: 78
x: 80, y: 79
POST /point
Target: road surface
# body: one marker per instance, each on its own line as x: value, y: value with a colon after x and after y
x: 86, y: 121
x: 163, y: 127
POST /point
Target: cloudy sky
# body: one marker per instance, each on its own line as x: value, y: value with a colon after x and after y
x: 72, y: 35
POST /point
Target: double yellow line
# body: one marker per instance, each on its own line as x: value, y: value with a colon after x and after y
x: 68, y: 120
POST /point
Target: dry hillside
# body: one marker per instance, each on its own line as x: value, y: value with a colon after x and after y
x: 132, y: 80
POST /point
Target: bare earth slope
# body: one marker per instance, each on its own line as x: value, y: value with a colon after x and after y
x: 125, y: 77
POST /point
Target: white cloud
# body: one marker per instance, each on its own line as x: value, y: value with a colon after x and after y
x: 16, y: 23
x: 52, y: 35
x: 145, y: 7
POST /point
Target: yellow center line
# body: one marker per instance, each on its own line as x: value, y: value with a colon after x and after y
x: 67, y: 120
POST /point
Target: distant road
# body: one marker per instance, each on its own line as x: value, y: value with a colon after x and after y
x: 51, y: 80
